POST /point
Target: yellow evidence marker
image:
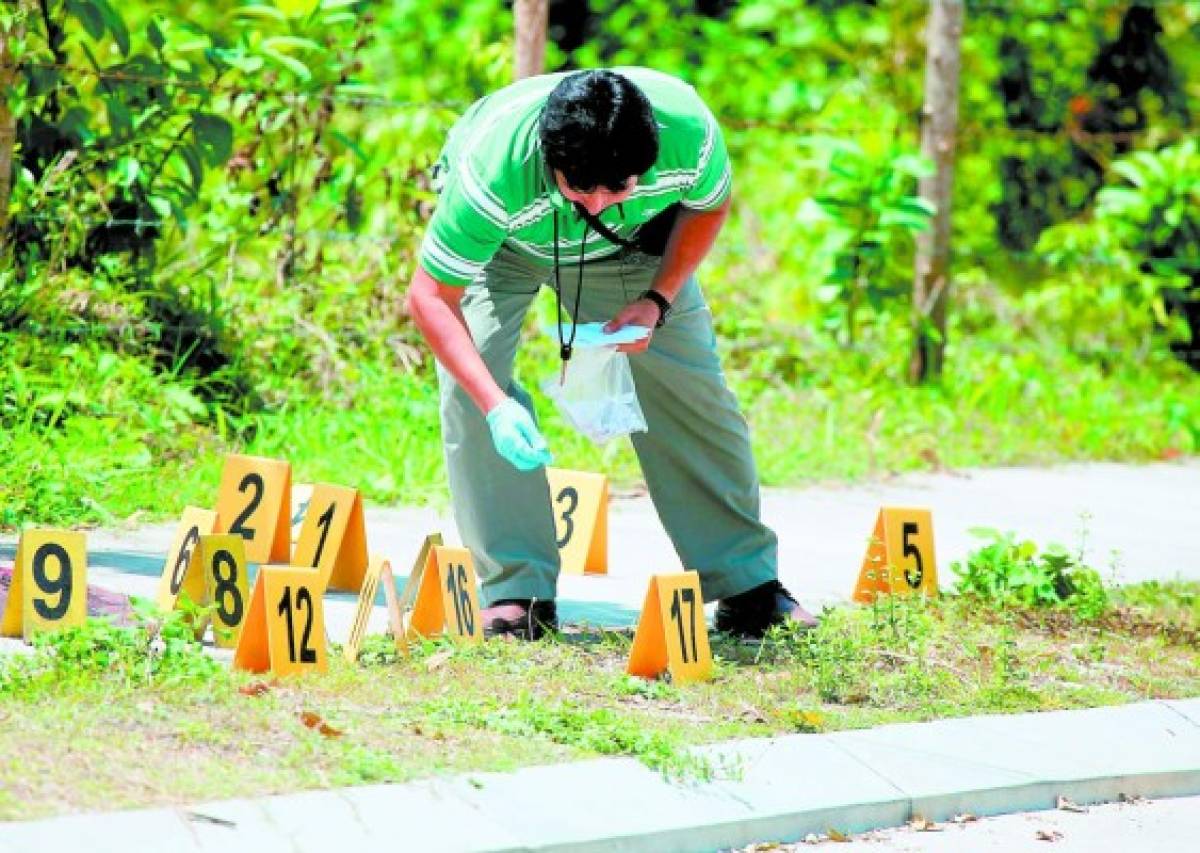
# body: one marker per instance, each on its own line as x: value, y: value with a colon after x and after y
x: 444, y: 595
x: 180, y: 572
x: 49, y: 583
x: 580, y: 503
x: 284, y: 631
x: 333, y: 538
x: 254, y: 501
x: 398, y: 606
x: 899, y: 558
x: 223, y: 560
x: 379, y: 570
x: 672, y: 635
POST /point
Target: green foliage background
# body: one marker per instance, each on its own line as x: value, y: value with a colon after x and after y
x: 216, y: 208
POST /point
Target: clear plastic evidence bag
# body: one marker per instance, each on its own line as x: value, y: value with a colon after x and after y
x: 595, y: 392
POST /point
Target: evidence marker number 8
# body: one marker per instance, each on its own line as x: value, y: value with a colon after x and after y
x: 226, y: 587
x: 223, y: 558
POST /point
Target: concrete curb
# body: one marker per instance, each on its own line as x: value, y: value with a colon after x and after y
x: 788, y: 787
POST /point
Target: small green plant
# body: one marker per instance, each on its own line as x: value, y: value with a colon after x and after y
x: 870, y: 207
x: 1006, y: 571
x: 156, y: 649
x: 1176, y: 601
x: 604, y: 731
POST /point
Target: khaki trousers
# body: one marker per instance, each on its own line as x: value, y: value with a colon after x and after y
x: 696, y: 455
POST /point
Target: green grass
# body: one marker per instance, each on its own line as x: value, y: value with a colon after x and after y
x: 102, y: 722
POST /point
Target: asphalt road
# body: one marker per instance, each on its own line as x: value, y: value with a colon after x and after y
x: 1158, y: 826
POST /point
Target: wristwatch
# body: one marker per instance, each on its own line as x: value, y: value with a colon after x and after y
x: 664, y: 306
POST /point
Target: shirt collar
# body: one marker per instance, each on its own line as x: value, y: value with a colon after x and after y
x: 557, y: 199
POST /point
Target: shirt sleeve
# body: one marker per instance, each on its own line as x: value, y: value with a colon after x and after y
x: 467, y: 228
x: 713, y: 175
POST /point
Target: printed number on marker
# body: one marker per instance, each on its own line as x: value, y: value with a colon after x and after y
x: 456, y: 585
x: 568, y: 493
x: 911, y: 550
x: 255, y: 482
x: 688, y: 596
x: 60, y: 587
x: 324, y: 521
x: 185, y: 558
x: 303, y: 602
x: 226, y: 587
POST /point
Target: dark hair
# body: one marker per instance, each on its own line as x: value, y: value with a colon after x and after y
x: 598, y: 129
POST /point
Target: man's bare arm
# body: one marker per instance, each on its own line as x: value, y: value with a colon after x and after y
x: 691, y: 239
x: 437, y: 311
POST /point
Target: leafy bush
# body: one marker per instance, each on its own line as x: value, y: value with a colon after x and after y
x: 1120, y: 271
x: 1006, y: 572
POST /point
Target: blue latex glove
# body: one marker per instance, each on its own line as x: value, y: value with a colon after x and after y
x: 516, y: 436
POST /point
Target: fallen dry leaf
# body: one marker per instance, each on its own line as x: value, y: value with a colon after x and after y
x: 438, y: 660
x: 314, y: 721
x: 1048, y: 835
x: 808, y: 721
x: 965, y: 817
x: 213, y: 819
x: 254, y: 688
x: 841, y: 837
x: 1067, y: 806
x: 920, y: 824
x: 752, y: 715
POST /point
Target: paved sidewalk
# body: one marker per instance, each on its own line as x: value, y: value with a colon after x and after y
x: 788, y: 787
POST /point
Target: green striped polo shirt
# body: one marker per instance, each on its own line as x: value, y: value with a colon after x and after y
x: 496, y: 189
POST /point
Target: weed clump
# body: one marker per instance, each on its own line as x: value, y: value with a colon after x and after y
x: 155, y: 650
x: 1006, y: 572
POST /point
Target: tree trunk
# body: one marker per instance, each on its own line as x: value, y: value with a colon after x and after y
x: 8, y: 127
x: 931, y: 284
x: 531, y: 18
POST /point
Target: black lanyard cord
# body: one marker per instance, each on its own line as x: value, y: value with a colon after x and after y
x: 565, y: 348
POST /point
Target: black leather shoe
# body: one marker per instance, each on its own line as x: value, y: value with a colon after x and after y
x: 751, y: 613
x: 520, y: 617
